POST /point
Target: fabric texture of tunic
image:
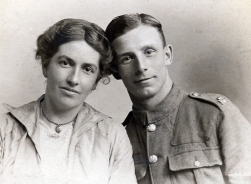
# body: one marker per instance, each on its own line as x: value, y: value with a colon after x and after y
x: 99, y: 149
x: 190, y: 139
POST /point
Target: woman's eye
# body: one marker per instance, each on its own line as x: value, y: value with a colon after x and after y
x: 126, y: 59
x: 149, y: 52
x: 88, y: 70
x: 64, y: 64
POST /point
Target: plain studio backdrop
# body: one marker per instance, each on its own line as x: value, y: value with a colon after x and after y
x: 211, y: 41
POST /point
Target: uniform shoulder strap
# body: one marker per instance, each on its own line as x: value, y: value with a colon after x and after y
x: 220, y: 101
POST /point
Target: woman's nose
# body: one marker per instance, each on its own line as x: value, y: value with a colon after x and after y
x: 73, y: 78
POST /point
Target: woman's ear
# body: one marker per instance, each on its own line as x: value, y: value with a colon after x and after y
x: 168, y: 54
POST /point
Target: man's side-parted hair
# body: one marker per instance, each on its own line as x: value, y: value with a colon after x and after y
x: 124, y: 23
x: 68, y: 30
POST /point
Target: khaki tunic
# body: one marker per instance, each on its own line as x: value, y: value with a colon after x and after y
x: 191, y: 139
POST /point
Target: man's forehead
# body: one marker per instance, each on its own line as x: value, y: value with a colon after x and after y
x: 137, y: 38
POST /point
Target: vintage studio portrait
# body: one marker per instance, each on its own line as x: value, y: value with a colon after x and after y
x: 125, y: 92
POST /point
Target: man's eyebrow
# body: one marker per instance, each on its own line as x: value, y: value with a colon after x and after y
x: 147, y: 47
x: 124, y: 54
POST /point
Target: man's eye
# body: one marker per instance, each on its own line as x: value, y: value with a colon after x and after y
x: 88, y: 70
x: 149, y: 52
x: 64, y: 64
x: 126, y: 59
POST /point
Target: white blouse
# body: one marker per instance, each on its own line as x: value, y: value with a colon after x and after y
x: 54, y: 157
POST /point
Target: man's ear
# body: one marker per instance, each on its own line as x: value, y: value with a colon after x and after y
x: 44, y: 71
x: 168, y: 54
x: 115, y: 72
x: 116, y: 75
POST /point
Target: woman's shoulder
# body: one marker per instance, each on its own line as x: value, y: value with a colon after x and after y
x: 106, y: 124
x: 16, y: 115
x: 23, y: 110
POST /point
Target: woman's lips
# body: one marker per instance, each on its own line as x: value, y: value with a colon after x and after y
x: 69, y: 90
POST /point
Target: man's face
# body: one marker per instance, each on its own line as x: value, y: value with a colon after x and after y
x: 142, y: 61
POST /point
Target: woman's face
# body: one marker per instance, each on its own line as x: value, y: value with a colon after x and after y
x: 71, y: 75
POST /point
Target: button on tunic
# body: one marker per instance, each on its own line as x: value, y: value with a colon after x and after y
x: 154, y: 130
x: 191, y: 139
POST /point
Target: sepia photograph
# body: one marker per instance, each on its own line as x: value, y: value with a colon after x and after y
x: 125, y: 92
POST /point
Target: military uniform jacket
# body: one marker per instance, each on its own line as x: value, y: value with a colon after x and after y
x: 191, y: 139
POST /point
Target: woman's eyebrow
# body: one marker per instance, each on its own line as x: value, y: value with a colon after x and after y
x: 64, y: 57
x: 90, y: 64
x: 83, y: 64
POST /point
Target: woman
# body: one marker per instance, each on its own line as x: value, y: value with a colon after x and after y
x: 59, y: 138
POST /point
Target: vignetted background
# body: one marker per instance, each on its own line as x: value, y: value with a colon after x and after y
x: 211, y: 41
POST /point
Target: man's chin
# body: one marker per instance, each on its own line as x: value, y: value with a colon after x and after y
x: 142, y: 94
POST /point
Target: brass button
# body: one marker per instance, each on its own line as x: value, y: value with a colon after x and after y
x: 151, y: 127
x: 196, y: 163
x: 221, y: 100
x: 195, y: 94
x: 153, y: 159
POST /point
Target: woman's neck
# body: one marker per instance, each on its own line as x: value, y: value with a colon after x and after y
x: 57, y: 114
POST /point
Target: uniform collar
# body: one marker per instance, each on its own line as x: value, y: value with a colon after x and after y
x: 163, y: 109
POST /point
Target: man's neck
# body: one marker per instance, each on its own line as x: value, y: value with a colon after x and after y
x: 150, y: 103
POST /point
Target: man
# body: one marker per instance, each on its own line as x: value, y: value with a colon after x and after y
x: 176, y: 138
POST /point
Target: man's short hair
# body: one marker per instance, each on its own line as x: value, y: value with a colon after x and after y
x: 122, y: 24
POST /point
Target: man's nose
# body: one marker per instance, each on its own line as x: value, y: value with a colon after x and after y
x: 74, y: 76
x: 142, y: 64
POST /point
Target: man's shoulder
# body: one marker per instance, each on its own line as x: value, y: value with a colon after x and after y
x: 203, y: 105
x: 206, y: 100
x: 229, y: 111
x: 219, y: 101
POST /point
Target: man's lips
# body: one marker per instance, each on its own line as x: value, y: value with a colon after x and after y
x: 69, y: 89
x: 143, y: 80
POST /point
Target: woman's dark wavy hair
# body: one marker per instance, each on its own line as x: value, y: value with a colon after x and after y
x: 124, y: 23
x: 68, y: 30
